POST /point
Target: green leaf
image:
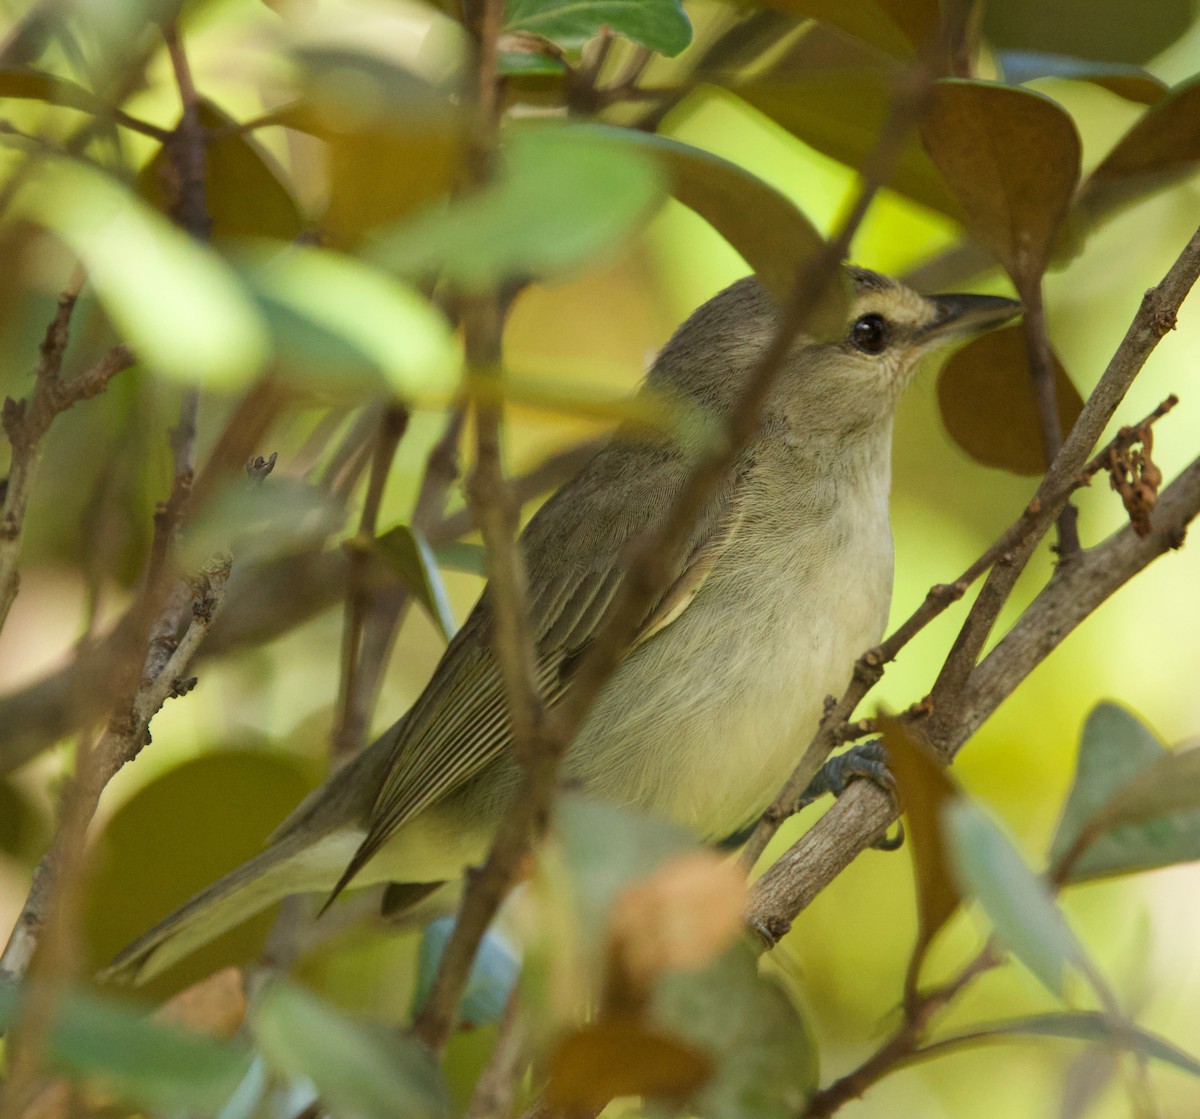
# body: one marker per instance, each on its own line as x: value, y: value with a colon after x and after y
x: 1011, y: 157
x: 407, y: 552
x: 391, y: 328
x: 460, y: 555
x: 841, y: 114
x: 1089, y: 1026
x: 1100, y: 29
x: 773, y: 236
x: 1134, y: 805
x: 1161, y: 148
x: 988, y: 405
x: 360, y: 1071
x: 563, y: 199
x: 36, y: 85
x: 660, y: 25
x: 766, y: 1059
x: 243, y: 186
x: 144, y: 1062
x: 1130, y: 82
x: 174, y: 300
x: 1024, y: 914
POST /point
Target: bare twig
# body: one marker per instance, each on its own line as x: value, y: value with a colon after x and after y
x: 496, y: 1086
x: 26, y: 423
x: 1154, y: 319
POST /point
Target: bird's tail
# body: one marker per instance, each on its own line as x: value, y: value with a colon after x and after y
x: 286, y: 867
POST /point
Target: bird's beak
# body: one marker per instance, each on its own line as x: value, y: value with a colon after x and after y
x: 959, y: 315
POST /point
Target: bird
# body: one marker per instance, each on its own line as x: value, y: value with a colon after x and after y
x: 786, y: 578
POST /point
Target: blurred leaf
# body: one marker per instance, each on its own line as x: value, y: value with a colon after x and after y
x: 394, y: 142
x: 1011, y: 157
x: 659, y: 25
x: 243, y: 190
x: 1100, y: 29
x: 1162, y: 147
x: 143, y: 1062
x: 216, y: 1006
x: 406, y: 551
x: 173, y: 300
x: 36, y: 85
x: 898, y: 27
x: 493, y: 975
x: 988, y: 405
x: 385, y: 323
x: 773, y: 236
x: 924, y: 790
x: 1130, y: 82
x: 1134, y: 805
x: 562, y: 200
x: 621, y: 1056
x: 1078, y: 1026
x: 766, y: 1059
x: 21, y: 823
x: 362, y: 1071
x: 841, y: 113
x: 461, y: 555
x: 176, y: 835
x: 1024, y: 914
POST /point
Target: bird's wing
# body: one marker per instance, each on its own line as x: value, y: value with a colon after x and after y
x: 460, y: 722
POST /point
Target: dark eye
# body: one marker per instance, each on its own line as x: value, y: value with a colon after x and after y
x: 870, y: 334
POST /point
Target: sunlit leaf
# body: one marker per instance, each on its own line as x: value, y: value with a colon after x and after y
x: 660, y: 25
x: 1134, y: 805
x: 407, y: 552
x: 1024, y: 914
x: 988, y: 404
x: 363, y: 1071
x: 619, y: 1056
x: 243, y: 187
x: 924, y: 790
x: 143, y: 1062
x: 1162, y: 147
x: 1096, y: 29
x: 175, y: 301
x: 899, y: 27
x: 841, y: 113
x: 1130, y: 82
x: 562, y: 199
x: 493, y: 974
x: 1011, y: 157
x: 773, y: 236
x: 396, y: 331
x: 1090, y: 1026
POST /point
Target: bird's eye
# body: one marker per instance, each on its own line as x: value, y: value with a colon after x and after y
x: 870, y: 334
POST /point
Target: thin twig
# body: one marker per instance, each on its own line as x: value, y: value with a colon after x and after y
x: 1154, y: 319
x: 496, y: 1086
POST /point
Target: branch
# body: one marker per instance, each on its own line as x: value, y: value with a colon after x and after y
x: 857, y: 818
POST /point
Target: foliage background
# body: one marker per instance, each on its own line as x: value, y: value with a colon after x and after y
x: 229, y: 760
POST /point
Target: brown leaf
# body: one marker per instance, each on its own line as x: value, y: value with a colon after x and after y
x: 988, y: 404
x: 621, y: 1056
x: 679, y: 918
x: 841, y: 113
x: 1162, y: 147
x: 899, y: 27
x: 244, y: 187
x: 215, y: 1006
x: 1011, y: 157
x: 923, y: 788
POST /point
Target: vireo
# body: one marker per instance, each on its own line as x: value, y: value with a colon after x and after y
x: 787, y: 577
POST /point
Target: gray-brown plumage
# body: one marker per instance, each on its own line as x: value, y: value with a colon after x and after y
x: 786, y: 578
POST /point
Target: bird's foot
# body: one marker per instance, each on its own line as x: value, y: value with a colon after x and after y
x: 865, y: 762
